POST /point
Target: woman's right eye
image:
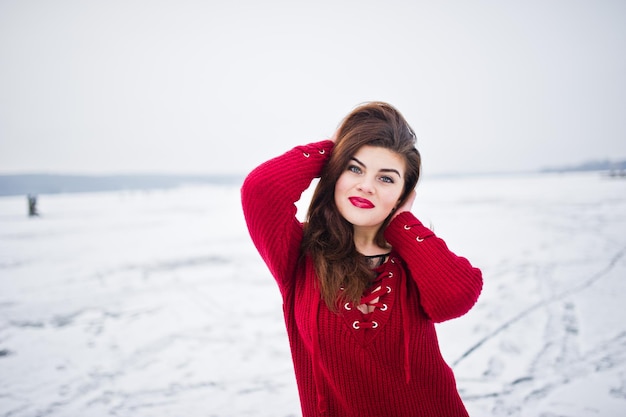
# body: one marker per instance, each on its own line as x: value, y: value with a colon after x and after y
x: 354, y: 168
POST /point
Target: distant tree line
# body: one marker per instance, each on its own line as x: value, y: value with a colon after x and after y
x: 603, y: 165
x: 25, y: 184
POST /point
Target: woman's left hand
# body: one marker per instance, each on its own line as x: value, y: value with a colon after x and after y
x: 407, y: 205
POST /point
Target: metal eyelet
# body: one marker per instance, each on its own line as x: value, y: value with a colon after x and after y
x: 347, y: 306
x: 393, y: 260
x: 355, y: 325
x: 374, y: 324
x: 306, y: 155
x: 419, y: 239
x: 384, y: 307
x: 388, y: 289
x: 322, y: 151
x: 407, y: 227
x: 390, y: 275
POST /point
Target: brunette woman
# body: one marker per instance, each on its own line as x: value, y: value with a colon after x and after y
x: 362, y: 280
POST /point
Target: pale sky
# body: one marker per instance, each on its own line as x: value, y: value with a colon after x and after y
x: 195, y: 87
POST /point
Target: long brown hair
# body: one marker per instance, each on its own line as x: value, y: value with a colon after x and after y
x: 328, y: 237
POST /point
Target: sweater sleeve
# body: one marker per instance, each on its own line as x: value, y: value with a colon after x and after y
x: 268, y: 196
x: 448, y: 284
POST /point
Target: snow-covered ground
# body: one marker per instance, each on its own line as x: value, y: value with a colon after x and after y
x: 157, y: 304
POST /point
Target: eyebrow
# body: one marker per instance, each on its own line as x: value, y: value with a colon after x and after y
x: 382, y: 170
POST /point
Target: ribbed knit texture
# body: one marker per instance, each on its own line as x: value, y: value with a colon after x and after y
x: 393, y: 370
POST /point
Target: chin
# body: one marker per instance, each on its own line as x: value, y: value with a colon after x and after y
x: 362, y: 217
x: 360, y: 222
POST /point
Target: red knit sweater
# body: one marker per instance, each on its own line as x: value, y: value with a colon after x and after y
x: 350, y: 364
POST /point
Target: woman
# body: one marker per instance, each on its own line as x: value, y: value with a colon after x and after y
x: 362, y: 280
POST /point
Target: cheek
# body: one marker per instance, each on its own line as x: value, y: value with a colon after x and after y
x: 393, y: 198
x: 338, y: 191
x: 341, y: 185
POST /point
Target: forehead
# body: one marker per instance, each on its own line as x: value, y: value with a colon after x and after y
x: 378, y: 158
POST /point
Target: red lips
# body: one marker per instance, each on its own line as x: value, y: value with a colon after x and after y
x: 361, y: 202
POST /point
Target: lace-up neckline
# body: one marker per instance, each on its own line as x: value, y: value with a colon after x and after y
x: 375, y: 261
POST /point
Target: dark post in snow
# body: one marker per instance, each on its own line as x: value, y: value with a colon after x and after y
x: 32, y: 205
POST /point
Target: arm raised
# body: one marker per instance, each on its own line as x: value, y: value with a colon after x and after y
x: 448, y: 284
x: 268, y: 197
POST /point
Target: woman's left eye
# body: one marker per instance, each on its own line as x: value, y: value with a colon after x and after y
x: 386, y: 179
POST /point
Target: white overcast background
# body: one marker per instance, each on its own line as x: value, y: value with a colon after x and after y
x: 194, y: 87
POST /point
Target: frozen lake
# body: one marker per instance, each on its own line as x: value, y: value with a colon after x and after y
x: 157, y: 304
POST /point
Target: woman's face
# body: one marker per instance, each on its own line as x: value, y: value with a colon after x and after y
x: 370, y: 186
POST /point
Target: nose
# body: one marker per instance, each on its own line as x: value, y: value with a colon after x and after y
x: 366, y: 186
